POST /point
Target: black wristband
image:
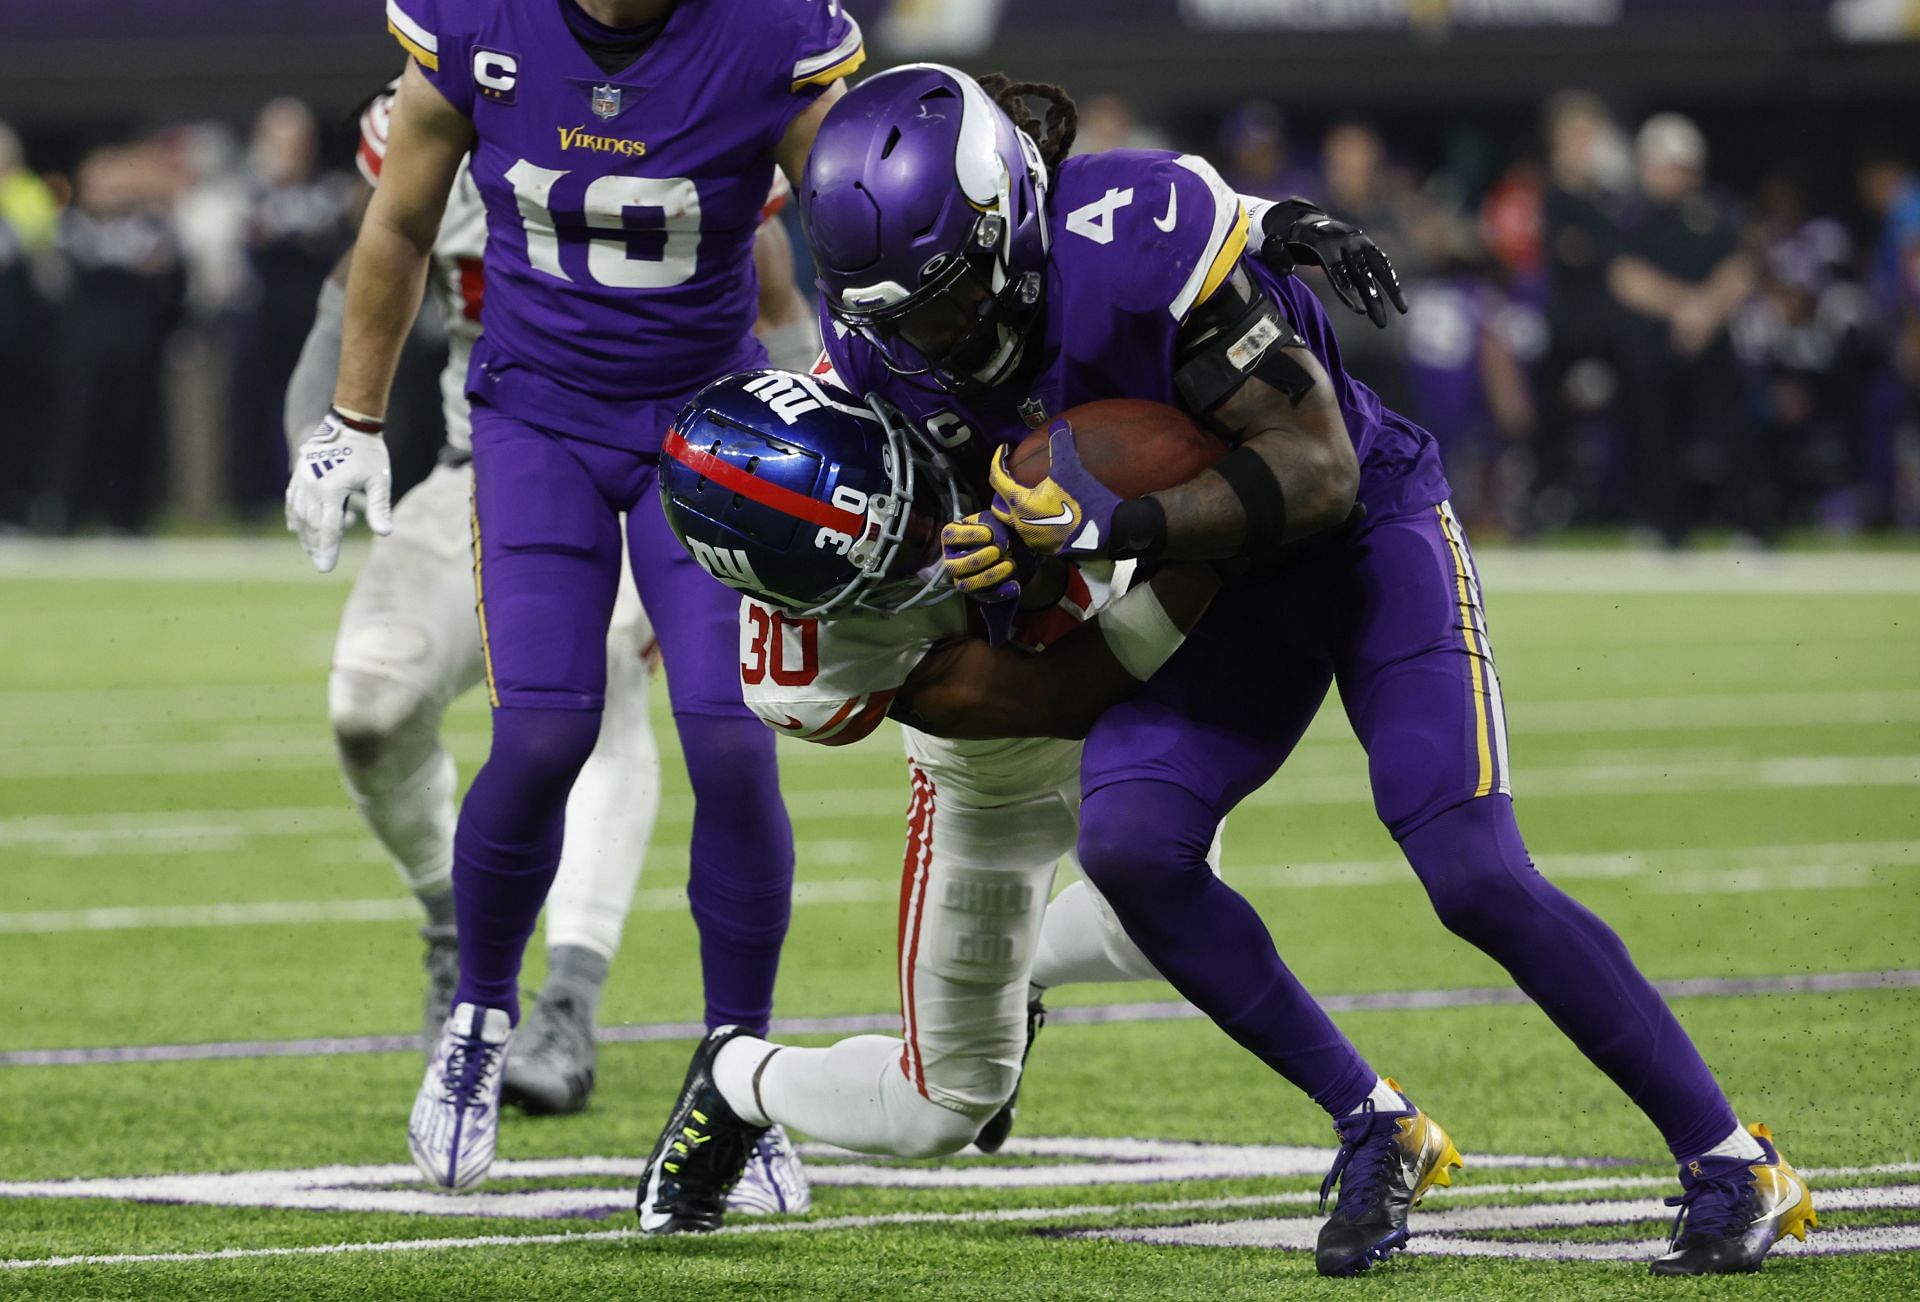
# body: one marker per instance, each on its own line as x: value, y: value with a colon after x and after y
x: 1252, y: 481
x: 1139, y: 530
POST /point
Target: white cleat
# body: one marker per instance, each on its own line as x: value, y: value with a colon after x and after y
x: 455, y: 1125
x: 774, y: 1183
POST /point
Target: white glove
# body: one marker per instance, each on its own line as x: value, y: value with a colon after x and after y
x: 334, y: 463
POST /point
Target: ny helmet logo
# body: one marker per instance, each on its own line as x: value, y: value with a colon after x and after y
x: 727, y: 564
x: 606, y: 101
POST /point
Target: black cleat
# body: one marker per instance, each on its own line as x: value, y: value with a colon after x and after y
x: 1733, y: 1211
x: 1387, y: 1162
x: 993, y: 1136
x: 700, y: 1154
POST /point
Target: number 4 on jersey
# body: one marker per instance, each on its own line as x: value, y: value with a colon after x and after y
x: 1095, y: 220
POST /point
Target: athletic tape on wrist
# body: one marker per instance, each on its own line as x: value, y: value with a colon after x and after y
x: 1139, y: 632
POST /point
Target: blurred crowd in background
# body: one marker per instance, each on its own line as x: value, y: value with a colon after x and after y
x: 1600, y: 335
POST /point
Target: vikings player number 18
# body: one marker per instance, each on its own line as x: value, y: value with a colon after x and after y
x: 613, y: 259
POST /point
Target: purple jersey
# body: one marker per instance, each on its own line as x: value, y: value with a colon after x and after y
x: 1138, y: 237
x: 621, y: 207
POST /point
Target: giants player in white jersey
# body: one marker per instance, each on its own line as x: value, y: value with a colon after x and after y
x: 409, y: 644
x: 826, y: 515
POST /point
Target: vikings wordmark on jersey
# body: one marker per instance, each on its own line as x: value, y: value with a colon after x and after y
x: 621, y: 207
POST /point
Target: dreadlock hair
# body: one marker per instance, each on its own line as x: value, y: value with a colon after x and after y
x: 1055, y: 137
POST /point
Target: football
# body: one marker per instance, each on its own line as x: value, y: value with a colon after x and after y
x: 1132, y: 446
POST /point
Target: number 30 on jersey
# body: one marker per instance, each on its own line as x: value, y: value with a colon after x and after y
x: 779, y: 647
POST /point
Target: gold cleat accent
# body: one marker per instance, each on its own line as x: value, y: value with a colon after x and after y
x: 1777, y: 1203
x: 1778, y: 1183
x: 1421, y: 1134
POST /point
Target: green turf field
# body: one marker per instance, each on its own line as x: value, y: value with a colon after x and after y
x: 1719, y: 754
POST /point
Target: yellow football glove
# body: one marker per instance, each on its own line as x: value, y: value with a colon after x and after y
x: 1069, y: 513
x: 979, y: 556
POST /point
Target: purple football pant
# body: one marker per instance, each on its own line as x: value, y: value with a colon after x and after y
x: 1393, y: 615
x: 547, y: 566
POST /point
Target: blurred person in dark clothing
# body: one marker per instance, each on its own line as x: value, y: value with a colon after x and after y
x: 125, y: 287
x: 298, y: 224
x: 21, y: 361
x: 1681, y: 275
x: 1364, y: 190
x: 1809, y: 338
x: 1580, y: 207
x: 28, y: 206
x: 28, y: 216
x: 1469, y: 343
x: 1109, y: 122
x: 1891, y: 193
x: 1255, y: 157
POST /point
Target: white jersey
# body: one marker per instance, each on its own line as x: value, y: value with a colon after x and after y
x: 832, y: 682
x: 456, y: 280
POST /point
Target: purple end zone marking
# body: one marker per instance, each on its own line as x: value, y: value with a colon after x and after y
x: 858, y: 1023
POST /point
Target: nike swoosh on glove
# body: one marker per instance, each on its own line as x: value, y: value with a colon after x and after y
x: 1069, y: 513
x: 332, y: 465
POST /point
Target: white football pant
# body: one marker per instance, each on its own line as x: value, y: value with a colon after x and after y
x: 409, y: 643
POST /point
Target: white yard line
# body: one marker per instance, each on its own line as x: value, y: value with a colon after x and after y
x: 1327, y: 780
x: 1453, y: 1216
x: 844, y: 1024
x: 1843, y: 864
x: 1514, y: 569
x: 114, y: 718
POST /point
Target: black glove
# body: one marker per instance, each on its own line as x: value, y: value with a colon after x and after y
x: 1295, y: 231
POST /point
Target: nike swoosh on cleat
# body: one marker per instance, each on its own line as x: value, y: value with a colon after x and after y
x: 792, y: 724
x: 1065, y: 517
x: 1173, y: 208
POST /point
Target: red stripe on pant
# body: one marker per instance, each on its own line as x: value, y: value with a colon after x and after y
x: 913, y: 901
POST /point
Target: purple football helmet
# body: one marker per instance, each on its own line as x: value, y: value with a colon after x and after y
x: 925, y: 209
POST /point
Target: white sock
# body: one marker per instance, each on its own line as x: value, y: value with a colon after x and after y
x: 1385, y: 1098
x: 855, y: 1095
x: 1739, y: 1144
x: 610, y: 814
x: 1081, y: 940
x: 734, y: 1068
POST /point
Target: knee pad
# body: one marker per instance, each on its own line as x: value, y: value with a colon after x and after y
x: 373, y: 716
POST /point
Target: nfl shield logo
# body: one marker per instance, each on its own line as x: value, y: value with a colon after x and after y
x: 606, y: 101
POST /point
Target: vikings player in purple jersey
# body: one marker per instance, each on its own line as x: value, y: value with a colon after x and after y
x: 983, y: 281
x: 623, y: 149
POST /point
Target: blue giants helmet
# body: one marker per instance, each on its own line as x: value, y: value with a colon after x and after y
x: 925, y: 209
x: 791, y: 492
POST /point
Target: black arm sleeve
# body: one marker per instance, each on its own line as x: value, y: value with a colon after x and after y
x: 1238, y: 333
